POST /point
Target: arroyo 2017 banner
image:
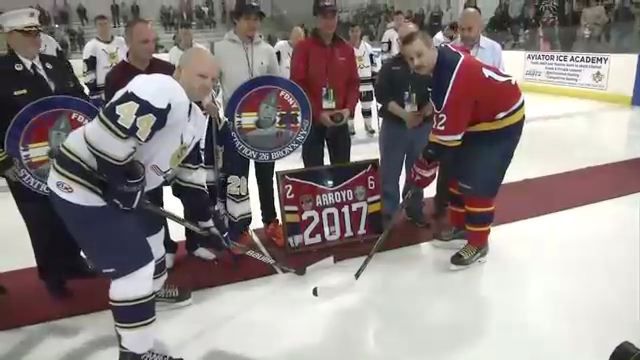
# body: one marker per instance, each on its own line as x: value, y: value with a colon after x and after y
x: 590, y: 71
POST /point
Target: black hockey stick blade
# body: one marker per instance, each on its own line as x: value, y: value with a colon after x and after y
x: 383, y: 238
x: 246, y: 250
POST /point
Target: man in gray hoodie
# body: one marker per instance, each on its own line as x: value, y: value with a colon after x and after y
x: 243, y: 55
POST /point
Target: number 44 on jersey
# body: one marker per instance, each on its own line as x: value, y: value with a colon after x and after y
x: 330, y: 206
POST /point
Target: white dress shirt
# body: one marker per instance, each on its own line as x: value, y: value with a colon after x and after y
x: 487, y: 51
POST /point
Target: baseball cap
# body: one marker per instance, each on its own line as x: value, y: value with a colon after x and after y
x: 248, y: 7
x: 322, y: 6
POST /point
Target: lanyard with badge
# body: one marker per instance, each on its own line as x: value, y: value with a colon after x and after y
x: 328, y: 94
x: 249, y: 60
x: 410, y: 103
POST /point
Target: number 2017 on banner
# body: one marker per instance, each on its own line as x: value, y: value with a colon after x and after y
x: 346, y: 219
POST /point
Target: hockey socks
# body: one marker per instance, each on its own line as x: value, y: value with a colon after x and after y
x: 478, y: 219
x: 132, y: 300
x: 456, y: 205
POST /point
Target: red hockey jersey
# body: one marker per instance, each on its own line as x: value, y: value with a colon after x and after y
x: 469, y: 96
x: 318, y: 213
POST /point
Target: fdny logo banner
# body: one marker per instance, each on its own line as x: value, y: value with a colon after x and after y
x: 270, y: 118
x: 38, y: 130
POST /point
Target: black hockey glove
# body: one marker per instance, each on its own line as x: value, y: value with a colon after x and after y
x: 126, y: 194
x: 218, y: 233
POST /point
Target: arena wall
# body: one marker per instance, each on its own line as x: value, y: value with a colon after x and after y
x: 617, y: 82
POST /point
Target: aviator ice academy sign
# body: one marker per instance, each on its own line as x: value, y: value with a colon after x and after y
x: 589, y: 71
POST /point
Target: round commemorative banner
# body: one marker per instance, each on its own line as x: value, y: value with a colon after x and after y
x: 38, y: 130
x: 270, y: 118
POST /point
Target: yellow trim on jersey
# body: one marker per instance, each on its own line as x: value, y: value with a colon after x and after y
x: 498, y: 124
x: 477, y: 228
x: 456, y: 209
x: 455, y: 191
x: 477, y: 209
x: 374, y: 207
x: 292, y: 218
x: 450, y: 143
x: 3, y: 155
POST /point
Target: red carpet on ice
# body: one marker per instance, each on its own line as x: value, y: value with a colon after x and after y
x: 28, y: 303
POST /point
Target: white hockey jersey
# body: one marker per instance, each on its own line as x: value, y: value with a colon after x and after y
x: 99, y: 58
x: 152, y: 121
x: 50, y: 46
x: 284, y: 52
x: 367, y: 64
x: 390, y: 44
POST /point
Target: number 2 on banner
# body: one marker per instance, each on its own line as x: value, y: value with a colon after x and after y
x: 331, y: 216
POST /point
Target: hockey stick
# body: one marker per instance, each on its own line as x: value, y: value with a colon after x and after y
x: 381, y: 240
x: 246, y: 250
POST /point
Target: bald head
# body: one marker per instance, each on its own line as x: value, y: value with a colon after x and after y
x: 297, y: 34
x: 470, y: 26
x: 197, y: 72
x: 406, y: 29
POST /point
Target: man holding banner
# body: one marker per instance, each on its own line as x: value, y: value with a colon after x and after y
x: 29, y: 77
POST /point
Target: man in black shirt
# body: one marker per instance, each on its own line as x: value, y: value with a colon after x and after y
x: 405, y: 109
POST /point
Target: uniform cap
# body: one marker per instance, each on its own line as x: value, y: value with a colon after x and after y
x: 22, y: 19
x: 321, y: 6
x: 247, y: 7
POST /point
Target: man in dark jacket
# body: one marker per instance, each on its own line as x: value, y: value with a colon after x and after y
x: 28, y: 76
x: 324, y: 65
x: 405, y: 109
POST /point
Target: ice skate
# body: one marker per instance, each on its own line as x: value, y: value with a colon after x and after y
x: 468, y: 256
x: 452, y: 238
x: 171, y: 297
x: 149, y: 355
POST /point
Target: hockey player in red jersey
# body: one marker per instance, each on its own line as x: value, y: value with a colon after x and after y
x: 478, y: 118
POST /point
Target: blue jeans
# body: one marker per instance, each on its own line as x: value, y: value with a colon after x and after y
x: 400, y: 145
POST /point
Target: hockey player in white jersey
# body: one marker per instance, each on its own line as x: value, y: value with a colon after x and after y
x: 149, y: 134
x: 368, y: 67
x: 390, y: 42
x: 284, y: 50
x: 99, y: 56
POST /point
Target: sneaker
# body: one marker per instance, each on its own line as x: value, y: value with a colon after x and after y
x: 452, y: 238
x: 149, y: 355
x: 169, y: 260
x: 469, y: 255
x: 418, y: 221
x: 171, y: 297
x: 275, y: 233
x: 204, y: 254
x: 369, y: 129
x: 244, y: 239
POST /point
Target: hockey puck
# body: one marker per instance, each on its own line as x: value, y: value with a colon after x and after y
x: 315, y: 291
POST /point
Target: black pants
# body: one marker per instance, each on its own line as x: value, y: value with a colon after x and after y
x: 156, y: 196
x: 55, y: 250
x: 338, y: 143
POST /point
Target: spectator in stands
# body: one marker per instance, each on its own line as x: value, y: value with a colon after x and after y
x: 405, y: 129
x: 82, y: 14
x: 419, y: 19
x: 135, y: 10
x: 446, y: 36
x: 184, y: 42
x: 141, y: 41
x: 124, y: 12
x: 115, y: 13
x: 435, y: 20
